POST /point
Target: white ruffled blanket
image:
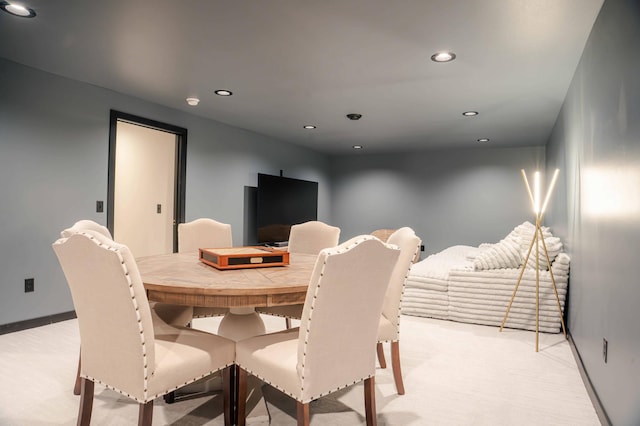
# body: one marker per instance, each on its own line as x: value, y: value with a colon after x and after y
x: 438, y: 265
x: 475, y: 284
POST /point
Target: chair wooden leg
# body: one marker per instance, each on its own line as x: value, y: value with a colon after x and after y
x: 76, y: 386
x: 381, y: 360
x: 370, y: 401
x: 86, y: 402
x: 302, y: 413
x: 395, y: 364
x: 226, y: 395
x: 145, y: 414
x: 242, y: 396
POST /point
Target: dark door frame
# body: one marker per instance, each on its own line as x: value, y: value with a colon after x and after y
x: 181, y: 165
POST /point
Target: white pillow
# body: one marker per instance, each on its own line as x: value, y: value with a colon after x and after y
x: 554, y: 247
x: 504, y: 254
x: 524, y: 233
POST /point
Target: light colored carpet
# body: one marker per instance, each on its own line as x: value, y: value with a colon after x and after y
x: 455, y: 374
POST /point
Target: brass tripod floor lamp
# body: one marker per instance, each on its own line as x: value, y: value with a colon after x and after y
x: 536, y: 240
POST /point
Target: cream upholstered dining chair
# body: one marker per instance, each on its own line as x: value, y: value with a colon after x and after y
x: 308, y: 237
x: 334, y: 346
x: 127, y: 353
x: 171, y: 314
x: 204, y: 233
x: 385, y: 233
x: 313, y: 236
x: 389, y: 328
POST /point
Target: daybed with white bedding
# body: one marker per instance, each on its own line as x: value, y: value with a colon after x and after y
x: 475, y: 284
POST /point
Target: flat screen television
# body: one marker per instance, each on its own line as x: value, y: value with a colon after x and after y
x: 282, y: 202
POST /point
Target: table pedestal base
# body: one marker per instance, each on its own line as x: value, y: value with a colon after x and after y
x: 241, y: 323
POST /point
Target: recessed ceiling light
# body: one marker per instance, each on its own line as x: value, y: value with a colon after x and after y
x: 483, y: 140
x: 470, y: 113
x: 357, y: 147
x: 17, y: 10
x: 443, y: 57
x: 309, y: 126
x: 193, y: 101
x: 223, y: 92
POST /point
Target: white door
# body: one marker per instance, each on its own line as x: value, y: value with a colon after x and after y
x: 144, y: 189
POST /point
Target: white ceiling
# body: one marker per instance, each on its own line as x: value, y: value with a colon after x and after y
x: 296, y: 62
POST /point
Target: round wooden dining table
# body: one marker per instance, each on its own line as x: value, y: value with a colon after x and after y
x: 182, y: 279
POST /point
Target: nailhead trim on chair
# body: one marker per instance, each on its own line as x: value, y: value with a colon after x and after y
x: 397, y: 324
x: 275, y: 314
x: 311, y: 398
x: 207, y: 316
x: 143, y: 344
x: 314, y: 397
x: 151, y: 398
x: 135, y: 305
x: 306, y: 337
x: 406, y: 276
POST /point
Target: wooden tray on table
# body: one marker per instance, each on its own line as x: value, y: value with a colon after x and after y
x: 243, y: 257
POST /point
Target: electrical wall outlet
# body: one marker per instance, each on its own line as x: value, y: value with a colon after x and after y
x: 605, y: 347
x: 99, y: 206
x: 422, y: 247
x: 29, y: 285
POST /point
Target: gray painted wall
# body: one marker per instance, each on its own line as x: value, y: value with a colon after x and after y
x: 448, y: 197
x: 53, y: 168
x: 596, y: 143
x: 53, y: 163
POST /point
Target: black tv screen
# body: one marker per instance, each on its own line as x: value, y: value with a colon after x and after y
x: 282, y: 202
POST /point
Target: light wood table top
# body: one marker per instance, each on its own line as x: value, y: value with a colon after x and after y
x: 181, y: 279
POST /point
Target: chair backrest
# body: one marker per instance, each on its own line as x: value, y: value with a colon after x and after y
x: 339, y: 326
x: 383, y: 234
x: 86, y: 225
x: 409, y: 244
x: 313, y: 236
x: 203, y: 233
x: 116, y: 330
